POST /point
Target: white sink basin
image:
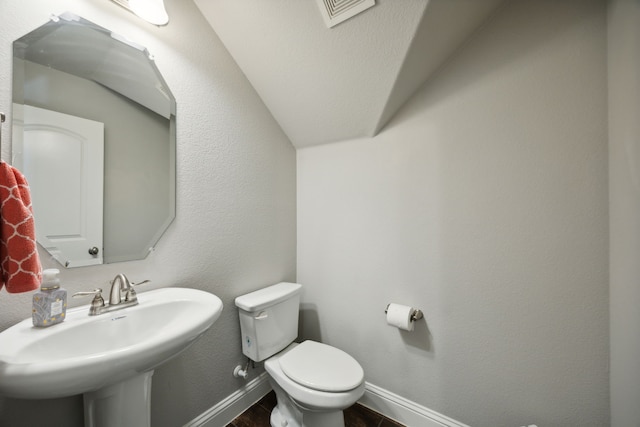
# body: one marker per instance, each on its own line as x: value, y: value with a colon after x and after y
x: 88, y: 353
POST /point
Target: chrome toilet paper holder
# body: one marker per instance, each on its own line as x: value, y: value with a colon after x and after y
x: 415, y: 313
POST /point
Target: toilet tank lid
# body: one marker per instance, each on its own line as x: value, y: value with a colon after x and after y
x: 266, y: 297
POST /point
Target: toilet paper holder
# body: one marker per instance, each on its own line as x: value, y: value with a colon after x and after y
x: 415, y: 314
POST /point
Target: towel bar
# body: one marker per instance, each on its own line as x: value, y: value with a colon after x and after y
x: 2, y: 119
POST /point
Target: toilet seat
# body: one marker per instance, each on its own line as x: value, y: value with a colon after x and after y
x: 321, y: 367
x: 305, y: 397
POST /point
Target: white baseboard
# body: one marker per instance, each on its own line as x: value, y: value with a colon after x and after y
x: 227, y: 410
x: 403, y: 410
x: 380, y: 400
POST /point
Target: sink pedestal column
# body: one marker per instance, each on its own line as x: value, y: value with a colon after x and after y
x: 127, y: 403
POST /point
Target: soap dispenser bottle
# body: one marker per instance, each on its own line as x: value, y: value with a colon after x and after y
x: 50, y: 303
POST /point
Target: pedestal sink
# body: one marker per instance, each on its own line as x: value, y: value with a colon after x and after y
x: 108, y: 358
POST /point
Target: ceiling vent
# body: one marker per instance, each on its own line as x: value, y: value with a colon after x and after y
x: 336, y: 11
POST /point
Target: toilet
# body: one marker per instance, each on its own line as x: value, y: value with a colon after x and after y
x: 313, y: 382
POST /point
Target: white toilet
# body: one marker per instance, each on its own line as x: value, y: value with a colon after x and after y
x: 313, y: 382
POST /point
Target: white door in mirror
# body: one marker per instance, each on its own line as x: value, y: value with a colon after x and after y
x: 62, y: 157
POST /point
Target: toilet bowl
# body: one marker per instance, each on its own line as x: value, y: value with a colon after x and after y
x: 313, y: 381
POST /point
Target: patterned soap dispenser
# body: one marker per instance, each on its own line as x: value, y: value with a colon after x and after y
x: 50, y: 303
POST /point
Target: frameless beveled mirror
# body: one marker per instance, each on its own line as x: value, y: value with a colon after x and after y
x: 94, y: 134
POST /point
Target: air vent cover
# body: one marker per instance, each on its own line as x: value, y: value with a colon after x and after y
x: 336, y: 11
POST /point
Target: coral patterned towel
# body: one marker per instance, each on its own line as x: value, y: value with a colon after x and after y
x: 19, y: 261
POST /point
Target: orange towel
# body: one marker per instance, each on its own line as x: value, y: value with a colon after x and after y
x: 19, y: 261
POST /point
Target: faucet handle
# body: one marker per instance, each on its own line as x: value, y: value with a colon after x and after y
x: 131, y: 293
x: 97, y: 292
x: 140, y: 283
x: 96, y: 304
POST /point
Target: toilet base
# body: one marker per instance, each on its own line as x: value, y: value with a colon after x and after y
x: 289, y: 414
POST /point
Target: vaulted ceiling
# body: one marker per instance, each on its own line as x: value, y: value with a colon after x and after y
x: 330, y: 84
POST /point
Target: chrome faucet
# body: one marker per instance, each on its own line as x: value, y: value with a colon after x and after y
x: 120, y: 286
x: 122, y: 295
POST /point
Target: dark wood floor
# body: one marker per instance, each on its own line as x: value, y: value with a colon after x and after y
x: 355, y: 416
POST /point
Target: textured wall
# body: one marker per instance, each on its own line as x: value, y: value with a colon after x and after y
x: 235, y: 226
x: 484, y: 203
x: 624, y: 189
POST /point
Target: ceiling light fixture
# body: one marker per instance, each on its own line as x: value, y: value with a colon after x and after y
x: 152, y: 11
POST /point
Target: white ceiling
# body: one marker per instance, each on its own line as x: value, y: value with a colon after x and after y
x: 330, y: 84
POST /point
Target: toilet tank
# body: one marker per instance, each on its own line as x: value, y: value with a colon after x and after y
x: 269, y: 319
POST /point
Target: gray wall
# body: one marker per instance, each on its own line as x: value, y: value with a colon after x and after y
x: 624, y: 186
x: 235, y: 226
x: 484, y: 203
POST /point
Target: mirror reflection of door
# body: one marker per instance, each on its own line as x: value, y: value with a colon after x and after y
x: 73, y: 66
x: 62, y: 157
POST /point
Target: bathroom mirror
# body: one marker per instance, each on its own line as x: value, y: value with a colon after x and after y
x: 94, y: 133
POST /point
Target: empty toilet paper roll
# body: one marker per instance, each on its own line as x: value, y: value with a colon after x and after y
x: 400, y: 316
